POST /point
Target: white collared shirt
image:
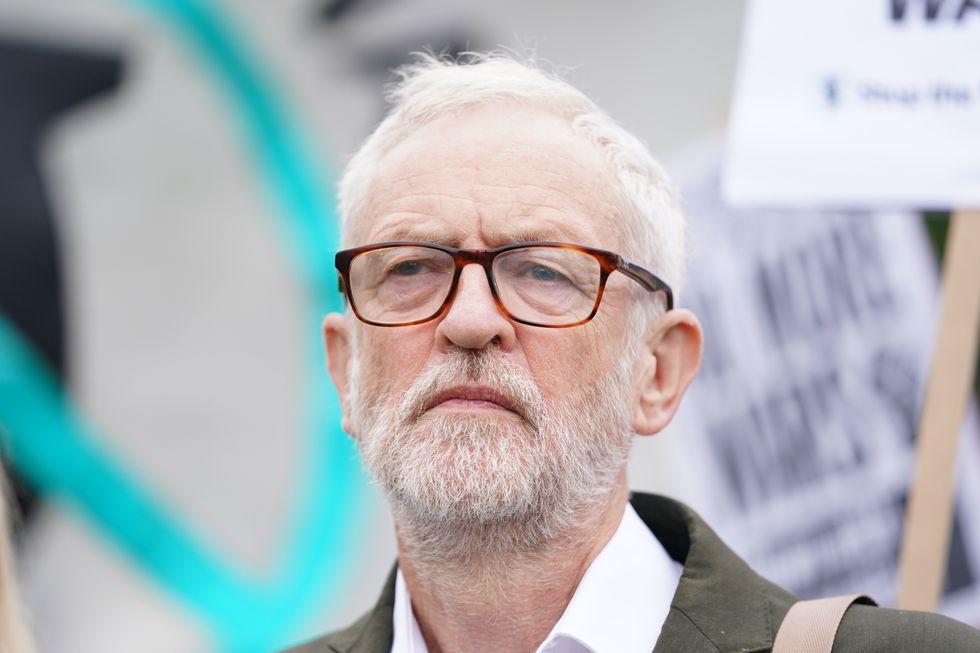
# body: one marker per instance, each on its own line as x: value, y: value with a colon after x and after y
x: 619, y: 606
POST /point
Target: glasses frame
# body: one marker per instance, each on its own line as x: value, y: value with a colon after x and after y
x: 609, y: 262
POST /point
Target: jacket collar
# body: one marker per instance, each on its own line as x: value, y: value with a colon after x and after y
x: 720, y: 605
x: 372, y: 633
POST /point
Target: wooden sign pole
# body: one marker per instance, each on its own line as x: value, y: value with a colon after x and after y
x: 925, y: 544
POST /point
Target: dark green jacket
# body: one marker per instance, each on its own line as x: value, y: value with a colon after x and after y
x: 721, y: 606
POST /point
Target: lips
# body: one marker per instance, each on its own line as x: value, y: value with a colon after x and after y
x: 470, y: 397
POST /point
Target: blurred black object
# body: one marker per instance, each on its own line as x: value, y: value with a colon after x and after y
x: 38, y: 82
x: 381, y: 35
x: 334, y: 10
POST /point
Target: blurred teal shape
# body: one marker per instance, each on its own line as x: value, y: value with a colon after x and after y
x: 50, y: 444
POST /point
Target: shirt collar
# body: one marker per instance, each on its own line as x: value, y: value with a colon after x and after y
x: 406, y: 635
x: 619, y: 606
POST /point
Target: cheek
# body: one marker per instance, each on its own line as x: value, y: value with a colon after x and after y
x: 615, y: 306
x: 563, y: 363
x: 391, y: 358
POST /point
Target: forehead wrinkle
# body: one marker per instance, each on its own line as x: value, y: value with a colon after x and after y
x: 537, y: 188
x: 531, y: 227
x: 424, y: 234
x: 431, y: 197
x: 584, y: 224
x: 390, y: 213
x: 419, y: 227
x: 410, y: 178
x: 534, y: 234
x: 512, y: 180
x: 553, y: 184
x: 594, y: 212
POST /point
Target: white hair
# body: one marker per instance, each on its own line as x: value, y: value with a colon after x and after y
x: 436, y: 86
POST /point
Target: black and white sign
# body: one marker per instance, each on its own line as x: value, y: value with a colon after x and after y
x: 798, y: 432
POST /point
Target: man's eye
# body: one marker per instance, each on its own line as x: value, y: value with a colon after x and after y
x: 543, y: 273
x: 406, y: 268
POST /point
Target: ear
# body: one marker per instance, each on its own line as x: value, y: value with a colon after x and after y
x: 336, y: 341
x: 670, y: 358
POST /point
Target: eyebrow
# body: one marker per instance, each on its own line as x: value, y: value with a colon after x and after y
x: 531, y: 234
x: 415, y: 233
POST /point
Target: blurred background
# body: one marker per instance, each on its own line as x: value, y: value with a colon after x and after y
x: 167, y: 170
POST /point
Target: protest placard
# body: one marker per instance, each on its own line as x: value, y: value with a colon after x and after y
x: 818, y: 330
x: 876, y: 103
x: 857, y: 102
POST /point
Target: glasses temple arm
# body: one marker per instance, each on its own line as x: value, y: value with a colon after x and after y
x: 645, y: 278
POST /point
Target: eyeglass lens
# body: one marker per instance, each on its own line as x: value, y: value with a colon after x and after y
x: 543, y: 285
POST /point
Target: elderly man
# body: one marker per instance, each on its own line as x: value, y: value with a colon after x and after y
x: 510, y: 328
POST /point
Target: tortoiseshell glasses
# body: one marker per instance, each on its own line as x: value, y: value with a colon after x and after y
x: 543, y: 284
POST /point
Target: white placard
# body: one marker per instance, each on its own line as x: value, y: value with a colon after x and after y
x: 798, y: 433
x: 857, y: 102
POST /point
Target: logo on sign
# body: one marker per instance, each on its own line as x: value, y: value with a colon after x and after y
x: 934, y: 10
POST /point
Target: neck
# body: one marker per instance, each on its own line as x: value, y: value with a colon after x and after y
x: 491, y: 590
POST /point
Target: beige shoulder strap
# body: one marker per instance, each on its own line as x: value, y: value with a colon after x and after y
x: 811, y: 626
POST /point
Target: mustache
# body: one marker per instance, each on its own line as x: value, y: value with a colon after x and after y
x: 485, y: 367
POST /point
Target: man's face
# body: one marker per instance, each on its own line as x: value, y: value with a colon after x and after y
x: 472, y: 416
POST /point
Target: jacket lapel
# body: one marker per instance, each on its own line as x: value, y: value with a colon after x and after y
x: 720, y: 605
x: 373, y: 632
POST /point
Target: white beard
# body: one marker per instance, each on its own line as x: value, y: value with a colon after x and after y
x: 472, y: 485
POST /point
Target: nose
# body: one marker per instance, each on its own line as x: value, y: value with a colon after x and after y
x: 474, y: 320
